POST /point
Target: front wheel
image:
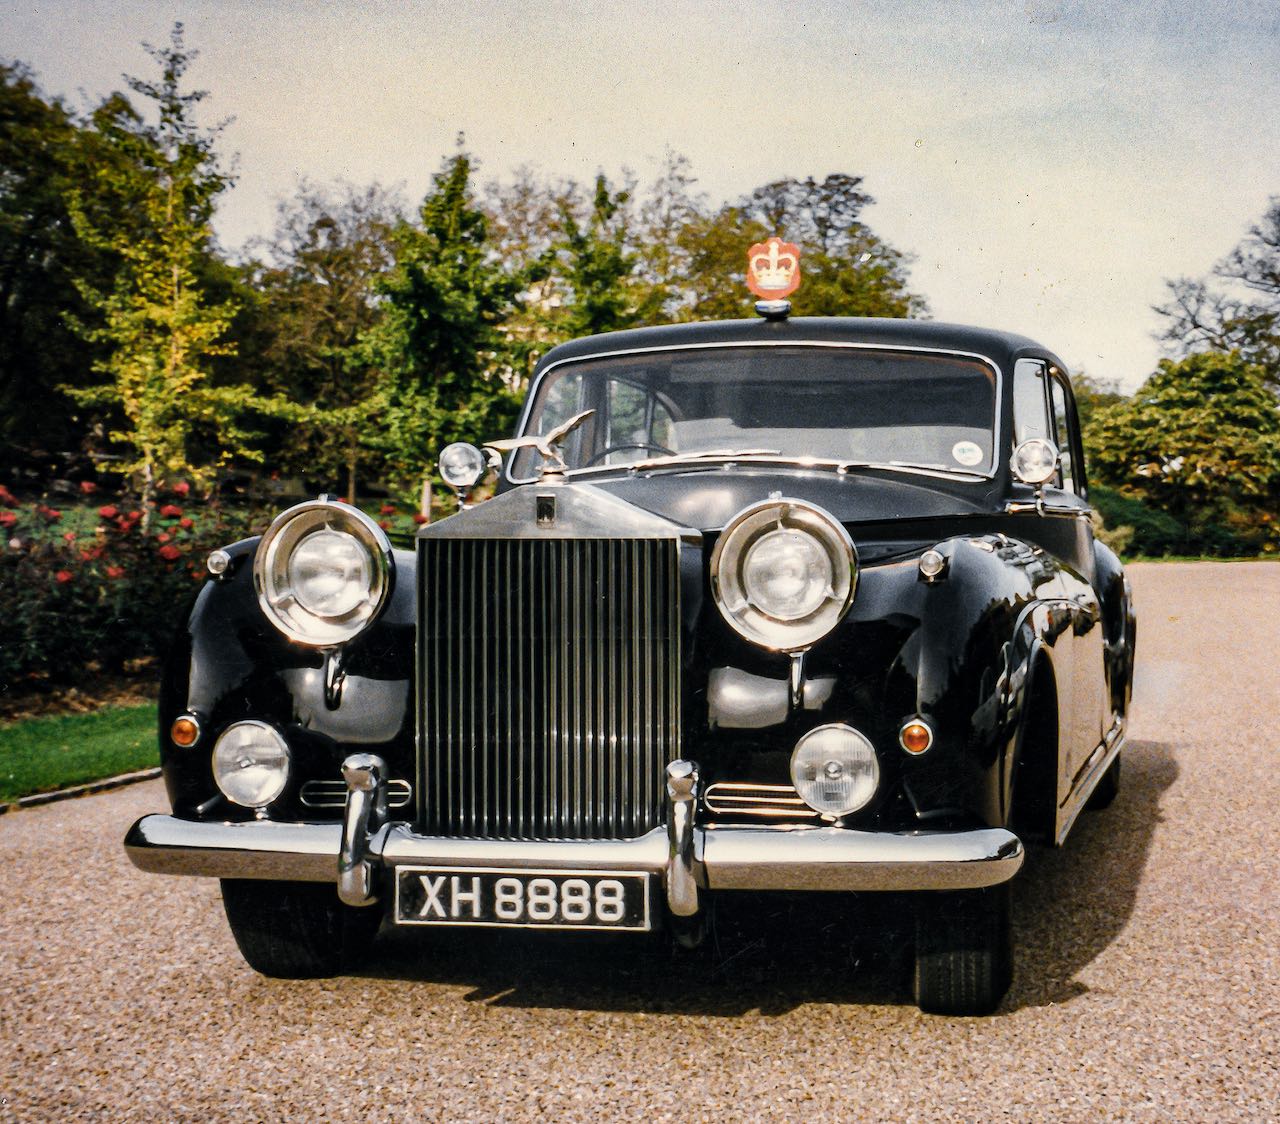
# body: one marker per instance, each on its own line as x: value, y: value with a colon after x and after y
x: 296, y: 930
x: 964, y: 952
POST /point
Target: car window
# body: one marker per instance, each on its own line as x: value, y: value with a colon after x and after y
x: 1064, y: 425
x: 934, y: 410
x: 1030, y: 403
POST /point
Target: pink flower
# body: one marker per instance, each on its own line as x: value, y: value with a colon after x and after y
x: 181, y: 488
x: 171, y: 511
x: 108, y: 511
x: 63, y: 576
x: 69, y: 536
x: 88, y: 487
x: 170, y: 552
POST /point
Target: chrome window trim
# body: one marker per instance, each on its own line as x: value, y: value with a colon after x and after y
x: 993, y: 462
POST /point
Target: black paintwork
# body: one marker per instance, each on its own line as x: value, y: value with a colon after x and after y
x: 1020, y: 591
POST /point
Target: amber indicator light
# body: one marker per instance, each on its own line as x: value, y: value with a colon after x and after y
x: 915, y: 737
x: 185, y: 731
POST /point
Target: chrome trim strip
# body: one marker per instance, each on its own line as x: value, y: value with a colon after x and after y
x: 726, y: 857
x: 536, y: 385
x: 328, y: 793
x: 1107, y: 751
x: 766, y: 800
x: 833, y: 858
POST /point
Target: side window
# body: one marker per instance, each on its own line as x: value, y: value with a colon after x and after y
x: 638, y: 425
x: 1064, y: 423
x: 1030, y: 401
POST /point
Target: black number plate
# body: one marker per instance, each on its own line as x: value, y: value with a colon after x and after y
x: 543, y: 899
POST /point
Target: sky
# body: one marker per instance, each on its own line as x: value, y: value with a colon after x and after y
x: 1048, y: 164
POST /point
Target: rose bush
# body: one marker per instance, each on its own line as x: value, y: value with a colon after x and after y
x: 85, y: 601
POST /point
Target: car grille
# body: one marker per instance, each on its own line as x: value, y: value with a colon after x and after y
x: 550, y: 698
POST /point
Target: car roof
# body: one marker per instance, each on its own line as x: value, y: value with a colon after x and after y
x: 1001, y: 347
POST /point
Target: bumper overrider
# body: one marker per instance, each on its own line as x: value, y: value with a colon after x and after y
x: 688, y: 858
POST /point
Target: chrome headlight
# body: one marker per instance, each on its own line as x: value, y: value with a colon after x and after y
x: 251, y: 763
x: 322, y: 571
x: 783, y: 573
x: 834, y: 769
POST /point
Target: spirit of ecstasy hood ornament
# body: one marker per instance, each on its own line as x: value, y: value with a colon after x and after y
x: 547, y: 445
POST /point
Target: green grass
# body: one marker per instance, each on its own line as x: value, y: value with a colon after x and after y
x: 43, y: 754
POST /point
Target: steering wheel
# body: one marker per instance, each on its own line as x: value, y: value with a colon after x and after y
x: 644, y: 445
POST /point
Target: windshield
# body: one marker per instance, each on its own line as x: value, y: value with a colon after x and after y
x: 829, y: 403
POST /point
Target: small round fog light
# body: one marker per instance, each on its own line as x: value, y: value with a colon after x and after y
x: 916, y: 736
x: 834, y: 769
x: 251, y: 764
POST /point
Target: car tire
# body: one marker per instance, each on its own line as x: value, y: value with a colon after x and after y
x: 1108, y: 788
x: 964, y: 953
x: 296, y: 930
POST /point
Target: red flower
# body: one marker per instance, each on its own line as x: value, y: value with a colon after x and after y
x: 171, y: 511
x: 181, y: 488
x: 7, y: 519
x: 7, y: 497
x: 162, y: 537
x: 186, y: 524
x: 384, y: 524
x: 388, y: 509
x: 115, y: 571
x: 63, y: 576
x: 88, y: 487
x: 108, y: 511
x: 418, y: 517
x: 70, y: 536
x: 170, y: 552
x: 50, y: 513
x: 135, y: 515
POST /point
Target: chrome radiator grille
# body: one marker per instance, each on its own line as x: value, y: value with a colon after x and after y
x: 550, y: 698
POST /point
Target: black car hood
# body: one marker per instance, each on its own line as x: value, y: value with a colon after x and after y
x: 707, y: 498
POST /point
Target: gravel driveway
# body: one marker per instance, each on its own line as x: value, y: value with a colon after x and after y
x: 1147, y: 985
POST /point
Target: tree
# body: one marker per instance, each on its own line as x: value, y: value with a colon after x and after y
x: 1239, y: 308
x: 330, y: 248
x: 439, y: 345
x: 599, y: 267
x: 1201, y: 441
x: 40, y: 258
x: 155, y: 320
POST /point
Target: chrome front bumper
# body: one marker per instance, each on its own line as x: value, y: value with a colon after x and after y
x: 688, y: 858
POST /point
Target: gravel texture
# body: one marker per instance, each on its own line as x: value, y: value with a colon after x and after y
x: 1147, y: 983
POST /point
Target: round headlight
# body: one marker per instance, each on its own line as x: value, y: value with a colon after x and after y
x: 461, y: 465
x: 1035, y: 461
x: 783, y: 573
x: 322, y: 571
x: 251, y: 764
x: 834, y: 769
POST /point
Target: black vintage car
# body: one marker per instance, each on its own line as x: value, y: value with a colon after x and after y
x: 782, y: 604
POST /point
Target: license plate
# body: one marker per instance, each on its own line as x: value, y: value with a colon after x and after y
x: 542, y: 899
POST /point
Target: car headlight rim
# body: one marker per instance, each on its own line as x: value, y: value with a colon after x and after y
x: 814, y: 531
x: 301, y: 616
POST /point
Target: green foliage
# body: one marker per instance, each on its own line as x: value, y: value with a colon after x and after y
x: 111, y: 591
x: 41, y: 146
x: 1199, y: 442
x: 155, y: 320
x: 439, y: 345
x: 46, y: 754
